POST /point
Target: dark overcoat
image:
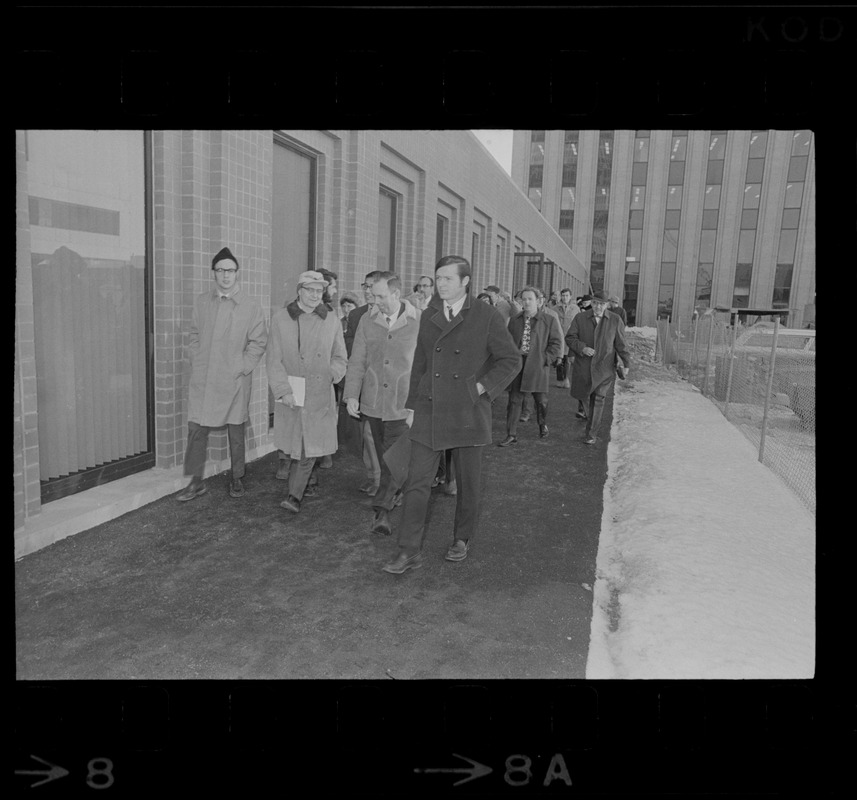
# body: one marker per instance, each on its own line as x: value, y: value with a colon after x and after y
x: 594, y: 374
x: 451, y: 357
x: 545, y: 348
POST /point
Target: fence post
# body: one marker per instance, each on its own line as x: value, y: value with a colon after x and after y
x: 768, y: 390
x: 693, y: 360
x: 708, y: 354
x: 677, y: 343
x: 731, y: 364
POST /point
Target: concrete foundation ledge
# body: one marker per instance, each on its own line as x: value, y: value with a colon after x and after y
x: 85, y: 510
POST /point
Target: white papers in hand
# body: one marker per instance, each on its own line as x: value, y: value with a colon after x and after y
x: 298, y: 385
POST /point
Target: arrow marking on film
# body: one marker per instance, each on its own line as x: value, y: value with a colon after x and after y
x: 476, y: 771
x: 52, y: 774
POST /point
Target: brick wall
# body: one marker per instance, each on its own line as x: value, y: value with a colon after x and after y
x: 27, y: 492
x: 214, y: 188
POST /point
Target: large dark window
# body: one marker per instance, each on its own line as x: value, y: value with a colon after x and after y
x: 293, y: 224
x: 92, y: 300
x: 386, y: 253
x: 441, y: 238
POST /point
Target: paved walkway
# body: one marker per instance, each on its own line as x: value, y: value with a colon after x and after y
x: 225, y: 588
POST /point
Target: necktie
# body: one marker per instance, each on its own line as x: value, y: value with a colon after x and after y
x: 525, y: 338
x: 449, y: 312
x: 389, y: 321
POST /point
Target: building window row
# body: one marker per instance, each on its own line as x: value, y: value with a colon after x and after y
x: 749, y: 218
x: 634, y: 247
x: 537, y: 167
x: 598, y: 252
x: 672, y: 222
x: 569, y: 186
x: 790, y: 219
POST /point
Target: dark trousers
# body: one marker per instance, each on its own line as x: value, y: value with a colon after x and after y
x: 197, y: 449
x: 300, y: 472
x: 468, y: 501
x: 313, y: 478
x: 562, y: 369
x: 516, y: 400
x: 385, y: 434
x: 445, y: 468
x: 596, y: 407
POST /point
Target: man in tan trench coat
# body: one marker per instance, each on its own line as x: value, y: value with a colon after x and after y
x: 227, y: 339
x: 306, y: 357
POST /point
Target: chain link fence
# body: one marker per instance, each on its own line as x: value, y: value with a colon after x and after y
x: 762, y: 377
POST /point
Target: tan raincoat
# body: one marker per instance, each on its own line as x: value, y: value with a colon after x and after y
x: 227, y: 340
x: 310, y: 346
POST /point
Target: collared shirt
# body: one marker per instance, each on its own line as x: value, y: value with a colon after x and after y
x: 233, y: 294
x: 391, y: 318
x: 455, y: 307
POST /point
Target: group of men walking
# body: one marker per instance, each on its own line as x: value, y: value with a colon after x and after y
x: 423, y: 378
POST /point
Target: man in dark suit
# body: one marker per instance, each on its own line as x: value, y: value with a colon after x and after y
x: 464, y: 359
x: 596, y: 337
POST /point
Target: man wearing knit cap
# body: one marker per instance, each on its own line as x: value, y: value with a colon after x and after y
x: 228, y: 335
x: 305, y: 358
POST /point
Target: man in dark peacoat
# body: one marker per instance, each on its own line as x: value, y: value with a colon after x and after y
x: 596, y: 337
x: 538, y: 338
x: 464, y: 359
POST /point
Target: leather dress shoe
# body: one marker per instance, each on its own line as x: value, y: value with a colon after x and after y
x: 403, y: 562
x: 507, y: 441
x: 543, y: 431
x: 312, y: 490
x: 524, y: 418
x: 450, y: 488
x: 291, y: 503
x: 370, y: 488
x: 381, y: 523
x: 236, y: 488
x: 192, y: 490
x: 458, y: 551
x: 581, y: 415
x: 590, y: 440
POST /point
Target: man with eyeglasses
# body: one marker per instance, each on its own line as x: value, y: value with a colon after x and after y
x: 422, y: 293
x: 597, y: 339
x: 228, y: 335
x: 305, y: 358
x: 371, y: 462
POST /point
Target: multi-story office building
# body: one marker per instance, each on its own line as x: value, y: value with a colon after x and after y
x: 673, y: 221
x: 115, y: 235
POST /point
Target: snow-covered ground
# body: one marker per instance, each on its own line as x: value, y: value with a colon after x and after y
x: 706, y: 563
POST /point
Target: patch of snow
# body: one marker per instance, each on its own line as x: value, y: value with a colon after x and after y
x: 706, y: 561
